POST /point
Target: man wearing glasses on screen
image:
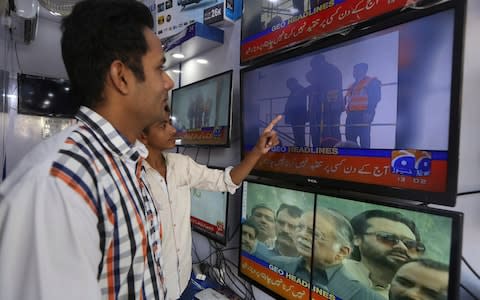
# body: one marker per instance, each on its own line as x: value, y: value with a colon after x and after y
x: 384, y: 240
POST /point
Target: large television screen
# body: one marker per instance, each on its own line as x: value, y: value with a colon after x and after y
x: 209, y: 214
x: 379, y: 109
x: 301, y: 243
x: 272, y: 26
x: 42, y: 96
x: 201, y: 111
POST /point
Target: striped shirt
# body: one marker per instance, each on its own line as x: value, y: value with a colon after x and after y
x: 77, y: 220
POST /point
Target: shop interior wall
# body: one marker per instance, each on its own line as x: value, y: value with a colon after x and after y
x: 43, y: 57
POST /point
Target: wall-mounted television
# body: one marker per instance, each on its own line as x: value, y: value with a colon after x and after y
x: 209, y: 214
x: 347, y: 246
x: 201, y: 111
x: 272, y: 26
x: 376, y: 111
x: 42, y: 96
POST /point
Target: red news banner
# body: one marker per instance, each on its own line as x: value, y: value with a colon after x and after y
x: 371, y: 170
x: 336, y: 16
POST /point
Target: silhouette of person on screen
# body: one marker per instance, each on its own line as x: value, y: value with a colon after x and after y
x: 384, y: 241
x: 325, y: 105
x: 423, y: 279
x: 361, y: 101
x: 296, y: 110
x: 169, y: 178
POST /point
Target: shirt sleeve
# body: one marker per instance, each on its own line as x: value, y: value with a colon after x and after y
x: 202, y: 177
x: 49, y: 243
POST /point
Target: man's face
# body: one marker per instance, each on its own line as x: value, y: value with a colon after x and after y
x: 304, y: 235
x: 378, y: 243
x: 285, y: 226
x: 149, y: 97
x: 160, y: 136
x: 248, y: 238
x: 326, y: 249
x: 265, y: 221
x: 413, y: 281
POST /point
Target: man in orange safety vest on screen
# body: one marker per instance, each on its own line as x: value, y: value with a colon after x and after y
x: 360, y: 102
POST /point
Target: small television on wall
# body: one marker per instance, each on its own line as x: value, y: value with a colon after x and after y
x: 376, y: 111
x: 43, y: 96
x: 209, y: 214
x: 201, y: 111
x: 342, y: 238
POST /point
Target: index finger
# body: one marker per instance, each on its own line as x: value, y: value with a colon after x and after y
x: 272, y: 123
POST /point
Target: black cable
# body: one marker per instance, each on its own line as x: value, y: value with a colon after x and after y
x: 16, y: 54
x: 229, y: 238
x: 196, y: 155
x: 470, y: 267
x: 184, y: 149
x: 208, y: 158
x: 468, y: 292
x: 468, y: 193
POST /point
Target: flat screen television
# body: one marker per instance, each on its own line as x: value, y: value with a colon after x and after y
x: 272, y: 26
x: 42, y: 96
x: 209, y: 214
x: 342, y: 236
x: 376, y: 111
x: 201, y: 111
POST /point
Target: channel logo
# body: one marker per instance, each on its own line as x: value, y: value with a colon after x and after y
x: 411, y: 162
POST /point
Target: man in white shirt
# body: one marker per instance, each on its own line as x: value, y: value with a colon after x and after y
x: 170, y: 177
x: 76, y: 219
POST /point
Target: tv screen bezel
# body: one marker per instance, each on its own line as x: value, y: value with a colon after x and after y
x: 26, y: 111
x: 221, y: 240
x: 229, y: 122
x: 455, y: 216
x: 448, y: 197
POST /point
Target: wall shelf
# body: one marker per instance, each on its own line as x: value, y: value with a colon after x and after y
x: 194, y: 40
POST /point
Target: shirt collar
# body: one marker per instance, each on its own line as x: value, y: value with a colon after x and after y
x: 111, y: 137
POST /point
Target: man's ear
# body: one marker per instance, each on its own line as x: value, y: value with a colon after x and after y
x: 119, y: 76
x: 143, y: 138
x: 357, y: 240
x: 343, y: 253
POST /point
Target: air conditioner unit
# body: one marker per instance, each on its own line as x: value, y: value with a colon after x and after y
x: 22, y: 22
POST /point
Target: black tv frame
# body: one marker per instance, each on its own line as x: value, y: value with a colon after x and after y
x: 229, y: 123
x: 455, y: 216
x: 221, y: 240
x: 28, y: 111
x: 447, y: 198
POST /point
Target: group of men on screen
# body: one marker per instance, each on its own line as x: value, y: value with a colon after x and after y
x: 378, y: 254
x: 323, y: 101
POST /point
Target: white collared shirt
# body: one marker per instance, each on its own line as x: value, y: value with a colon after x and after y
x: 173, y: 204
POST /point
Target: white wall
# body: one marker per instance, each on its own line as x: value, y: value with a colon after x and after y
x: 43, y: 57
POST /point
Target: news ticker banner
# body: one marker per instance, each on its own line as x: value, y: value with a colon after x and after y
x: 325, y: 19
x: 280, y: 282
x: 218, y: 229
x: 409, y: 169
x: 203, y: 136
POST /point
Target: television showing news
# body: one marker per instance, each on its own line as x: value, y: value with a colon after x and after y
x: 209, y: 213
x: 272, y: 26
x: 347, y: 246
x: 379, y: 109
x: 201, y: 111
x: 42, y: 96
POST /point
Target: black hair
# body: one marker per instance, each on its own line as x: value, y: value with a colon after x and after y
x: 250, y: 223
x: 430, y: 264
x: 95, y: 34
x: 360, y: 224
x: 292, y: 210
x: 261, y: 205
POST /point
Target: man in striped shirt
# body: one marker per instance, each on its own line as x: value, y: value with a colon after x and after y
x: 76, y: 219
